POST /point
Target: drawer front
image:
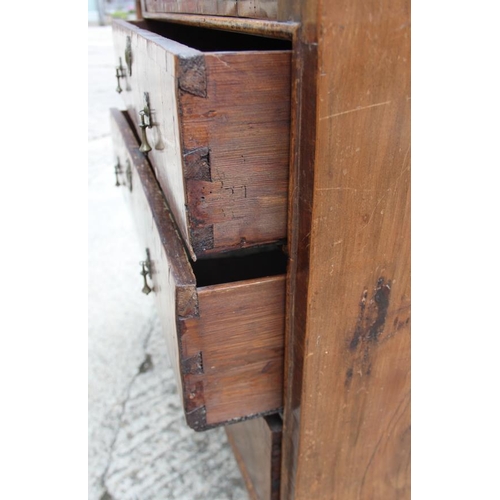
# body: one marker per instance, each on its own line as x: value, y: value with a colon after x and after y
x: 261, y: 9
x: 225, y: 340
x: 256, y: 446
x: 219, y: 134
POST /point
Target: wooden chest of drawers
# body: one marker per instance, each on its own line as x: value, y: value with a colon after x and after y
x: 349, y: 215
x: 224, y: 319
x: 215, y: 122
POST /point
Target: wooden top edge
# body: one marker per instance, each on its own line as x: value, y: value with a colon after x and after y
x: 247, y: 52
x: 169, y: 236
x: 273, y: 29
x: 167, y: 44
x: 232, y: 285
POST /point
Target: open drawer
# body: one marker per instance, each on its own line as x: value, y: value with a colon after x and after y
x: 212, y: 110
x: 223, y: 318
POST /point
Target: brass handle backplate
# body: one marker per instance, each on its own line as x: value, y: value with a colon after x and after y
x: 145, y: 115
x: 128, y: 55
x: 118, y: 171
x: 146, y: 271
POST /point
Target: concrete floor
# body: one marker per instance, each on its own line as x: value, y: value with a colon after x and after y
x: 139, y: 445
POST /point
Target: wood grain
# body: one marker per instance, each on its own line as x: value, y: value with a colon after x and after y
x: 262, y: 27
x: 240, y: 330
x: 263, y: 9
x: 138, y: 9
x: 299, y: 234
x: 244, y: 197
x: 256, y: 445
x: 221, y: 136
x: 347, y: 385
x: 225, y: 341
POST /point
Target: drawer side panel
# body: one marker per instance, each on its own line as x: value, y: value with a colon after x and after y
x: 240, y: 333
x: 240, y: 187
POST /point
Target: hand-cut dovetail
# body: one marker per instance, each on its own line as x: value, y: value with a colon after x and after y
x: 192, y: 75
x: 193, y: 365
x: 202, y: 238
x: 197, y: 164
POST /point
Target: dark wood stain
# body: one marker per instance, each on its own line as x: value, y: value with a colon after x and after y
x: 370, y: 325
x: 348, y: 376
x: 197, y: 164
x: 381, y: 304
x: 202, y: 238
x: 358, y: 331
x: 371, y: 319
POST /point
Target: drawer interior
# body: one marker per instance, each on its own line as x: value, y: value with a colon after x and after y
x: 220, y: 128
x: 246, y: 266
x: 212, y: 40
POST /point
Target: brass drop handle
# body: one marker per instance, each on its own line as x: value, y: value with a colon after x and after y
x: 145, y: 115
x: 118, y: 171
x: 146, y: 288
x: 145, y: 147
x: 119, y: 73
x: 146, y: 271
